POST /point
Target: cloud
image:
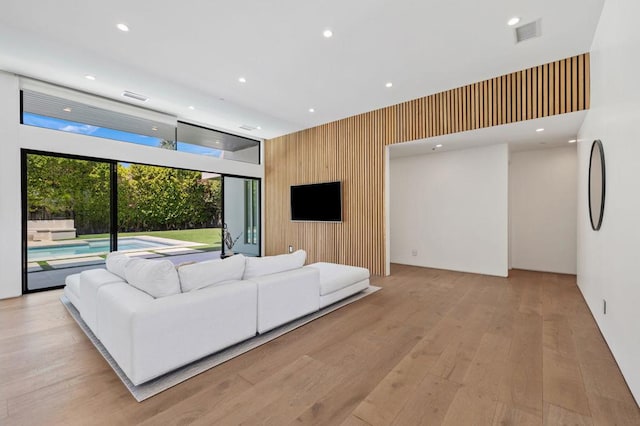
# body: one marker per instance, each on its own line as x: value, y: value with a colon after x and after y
x: 84, y: 129
x: 57, y: 124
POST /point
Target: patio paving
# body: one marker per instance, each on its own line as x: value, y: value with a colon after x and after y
x: 194, y: 257
x: 33, y: 266
x: 144, y: 254
x: 177, y: 250
x: 82, y: 261
x: 54, y: 278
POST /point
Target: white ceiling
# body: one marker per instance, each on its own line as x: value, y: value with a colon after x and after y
x: 193, y: 52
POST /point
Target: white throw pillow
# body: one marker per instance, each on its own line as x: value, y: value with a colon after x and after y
x: 258, y: 266
x: 211, y: 272
x: 116, y: 263
x: 157, y: 278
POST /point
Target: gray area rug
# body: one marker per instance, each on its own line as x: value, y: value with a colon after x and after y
x: 155, y: 386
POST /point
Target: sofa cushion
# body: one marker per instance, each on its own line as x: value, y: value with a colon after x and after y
x: 116, y: 263
x: 258, y: 266
x: 335, y: 277
x: 285, y: 296
x: 211, y: 272
x: 72, y: 289
x: 91, y: 281
x: 158, y: 278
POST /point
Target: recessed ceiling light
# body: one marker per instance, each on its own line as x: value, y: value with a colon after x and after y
x: 191, y: 107
x: 154, y: 128
x: 540, y: 130
x: 513, y: 21
x: 67, y: 109
x: 122, y: 27
x: 327, y: 33
x: 90, y: 77
x: 573, y: 141
x: 312, y: 110
x: 217, y: 142
x: 259, y: 127
x: 242, y: 80
x: 439, y: 145
x: 389, y: 84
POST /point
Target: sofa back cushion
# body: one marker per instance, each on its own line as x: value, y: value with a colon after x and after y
x: 211, y: 272
x: 116, y: 263
x: 258, y: 266
x: 158, y: 278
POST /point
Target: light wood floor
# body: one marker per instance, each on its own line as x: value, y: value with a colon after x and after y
x: 433, y: 347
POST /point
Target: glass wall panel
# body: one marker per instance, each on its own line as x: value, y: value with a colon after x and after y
x: 100, y: 132
x: 131, y: 124
x: 241, y: 216
x: 68, y: 217
x: 79, y: 117
x: 168, y: 212
x: 218, y: 144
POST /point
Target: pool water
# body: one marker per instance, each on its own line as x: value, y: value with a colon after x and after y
x: 89, y: 247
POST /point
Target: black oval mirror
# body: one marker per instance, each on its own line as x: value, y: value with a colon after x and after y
x: 596, y: 184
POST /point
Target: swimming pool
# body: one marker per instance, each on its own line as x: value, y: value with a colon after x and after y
x: 90, y: 247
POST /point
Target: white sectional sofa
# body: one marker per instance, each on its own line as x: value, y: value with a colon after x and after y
x: 153, y: 317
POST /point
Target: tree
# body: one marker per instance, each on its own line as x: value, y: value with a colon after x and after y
x: 165, y: 144
x: 149, y: 197
x: 65, y: 188
x: 161, y: 198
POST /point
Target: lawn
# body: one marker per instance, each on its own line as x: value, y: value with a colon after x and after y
x: 208, y: 236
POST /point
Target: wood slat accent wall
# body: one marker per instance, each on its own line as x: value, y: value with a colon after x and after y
x: 352, y: 151
x: 555, y: 88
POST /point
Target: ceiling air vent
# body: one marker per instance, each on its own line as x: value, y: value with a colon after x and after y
x: 528, y: 31
x: 137, y: 97
x: 247, y: 127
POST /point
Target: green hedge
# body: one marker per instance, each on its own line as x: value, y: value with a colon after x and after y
x: 150, y: 198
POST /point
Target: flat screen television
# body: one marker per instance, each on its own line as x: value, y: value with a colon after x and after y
x: 318, y: 202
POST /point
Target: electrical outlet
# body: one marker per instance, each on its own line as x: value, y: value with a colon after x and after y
x: 604, y: 306
x: 290, y: 249
x: 414, y: 252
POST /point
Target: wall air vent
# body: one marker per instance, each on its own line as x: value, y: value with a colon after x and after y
x: 137, y: 97
x: 247, y: 127
x: 528, y: 31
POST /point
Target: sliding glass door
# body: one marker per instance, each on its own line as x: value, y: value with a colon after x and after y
x: 67, y: 203
x: 168, y: 212
x: 76, y: 210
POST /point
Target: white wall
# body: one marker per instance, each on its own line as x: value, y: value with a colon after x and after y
x: 451, y: 207
x: 10, y: 216
x: 609, y: 260
x: 14, y: 137
x: 543, y: 193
